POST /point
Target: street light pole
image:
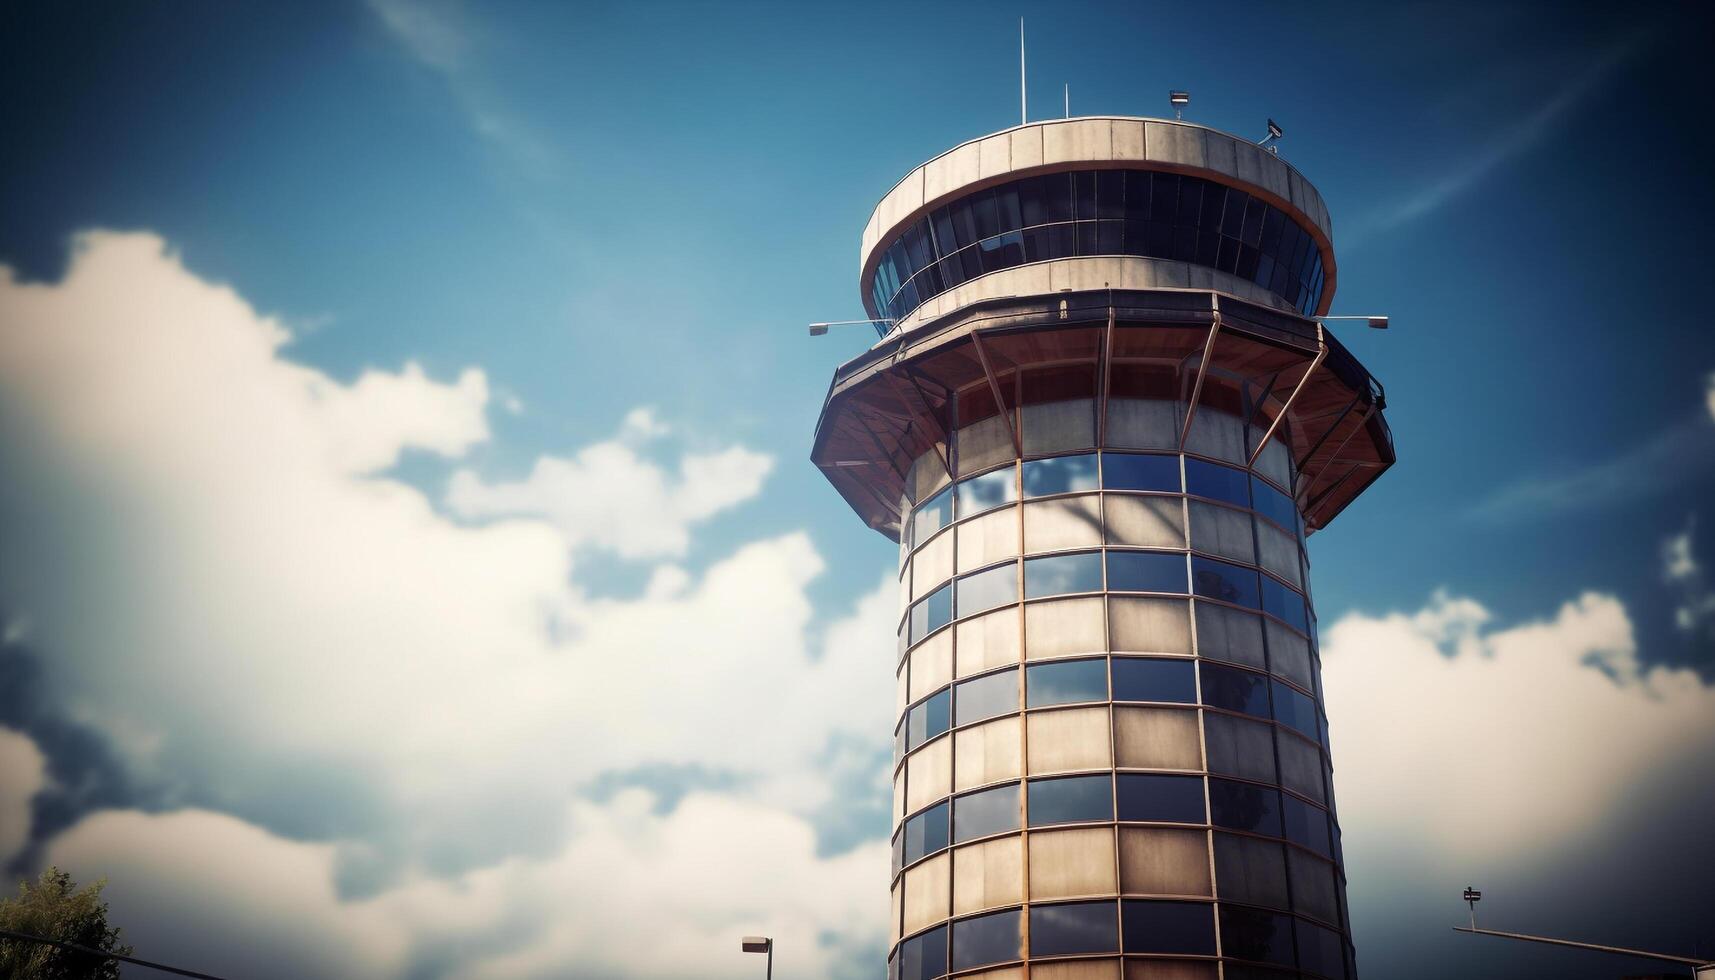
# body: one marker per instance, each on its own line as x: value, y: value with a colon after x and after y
x: 760, y: 944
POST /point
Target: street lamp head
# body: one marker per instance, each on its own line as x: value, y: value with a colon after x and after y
x: 1378, y: 323
x: 818, y: 329
x: 1179, y: 99
x: 756, y: 944
x: 1274, y: 131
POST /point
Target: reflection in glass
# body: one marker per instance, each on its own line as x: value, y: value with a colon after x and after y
x: 1252, y: 935
x: 1135, y: 471
x: 1244, y: 806
x: 987, y: 492
x: 1274, y: 505
x: 1059, y: 474
x: 1217, y: 482
x: 1320, y: 950
x: 991, y: 811
x: 925, y: 833
x: 932, y: 613
x: 1079, y: 927
x: 928, y: 720
x: 1066, y: 682
x: 1170, y: 927
x: 924, y: 957
x: 1070, y: 799
x: 1062, y: 574
x: 1284, y: 604
x: 1235, y: 690
x: 986, y: 939
x: 932, y: 515
x: 1294, y: 709
x: 1305, y: 824
x: 997, y: 586
x: 985, y: 697
x: 1171, y: 799
x: 1138, y: 679
x: 1221, y: 580
x: 1146, y: 571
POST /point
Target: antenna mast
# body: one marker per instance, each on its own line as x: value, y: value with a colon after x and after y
x: 1023, y: 116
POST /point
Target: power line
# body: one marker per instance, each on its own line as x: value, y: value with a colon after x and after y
x: 9, y: 934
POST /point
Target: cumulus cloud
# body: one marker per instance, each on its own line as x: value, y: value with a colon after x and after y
x: 611, y: 496
x: 224, y: 579
x: 1694, y: 606
x: 25, y: 773
x: 1499, y: 745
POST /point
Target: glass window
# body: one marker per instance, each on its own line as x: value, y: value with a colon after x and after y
x: 1217, y: 482
x: 1071, y: 799
x: 1252, y: 935
x: 1220, y: 580
x: 1305, y: 824
x: 1274, y: 505
x: 1146, y: 571
x: 926, y: 833
x: 1138, y: 679
x: 986, y: 697
x: 928, y: 720
x: 991, y: 811
x: 987, y: 492
x: 1079, y: 927
x: 985, y: 590
x: 1244, y: 806
x: 1294, y: 709
x: 1134, y: 471
x: 1147, y: 796
x: 1059, y: 474
x: 1235, y: 690
x: 1170, y: 927
x: 1320, y: 950
x: 993, y: 938
x: 1066, y: 682
x: 932, y: 613
x: 924, y: 957
x: 1284, y: 604
x: 932, y: 515
x: 1062, y: 574
x: 898, y: 851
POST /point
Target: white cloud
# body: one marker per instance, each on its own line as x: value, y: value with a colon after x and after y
x: 610, y: 496
x: 1456, y: 740
x: 23, y: 773
x: 236, y: 594
x: 1709, y: 394
x: 1694, y: 608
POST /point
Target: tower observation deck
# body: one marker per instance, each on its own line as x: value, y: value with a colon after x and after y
x: 1100, y: 427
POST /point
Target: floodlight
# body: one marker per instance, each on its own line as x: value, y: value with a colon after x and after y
x: 817, y: 330
x: 1274, y: 130
x: 1179, y: 101
x: 756, y: 944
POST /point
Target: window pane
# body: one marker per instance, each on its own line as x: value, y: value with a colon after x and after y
x: 1070, y: 800
x: 1062, y: 574
x: 927, y: 720
x: 1284, y: 604
x: 1274, y: 505
x: 1146, y: 571
x: 1244, y: 806
x: 926, y: 833
x: 1320, y: 950
x: 986, y: 697
x: 1229, y: 583
x: 1154, y: 680
x: 986, y: 939
x: 1145, y: 796
x: 1294, y: 709
x: 1066, y: 682
x: 1235, y: 690
x: 986, y: 590
x: 1217, y: 482
x: 1081, y: 927
x: 1060, y: 474
x: 1252, y: 935
x: 1132, y: 471
x: 932, y: 515
x: 987, y: 492
x: 924, y: 957
x: 1305, y: 824
x: 1170, y: 927
x: 932, y: 613
x: 992, y: 811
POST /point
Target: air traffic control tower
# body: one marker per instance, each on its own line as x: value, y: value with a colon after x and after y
x: 1102, y: 419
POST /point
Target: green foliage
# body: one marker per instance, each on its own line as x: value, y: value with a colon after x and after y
x: 55, y: 908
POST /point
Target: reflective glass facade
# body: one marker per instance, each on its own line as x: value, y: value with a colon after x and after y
x: 1110, y: 714
x: 1099, y: 212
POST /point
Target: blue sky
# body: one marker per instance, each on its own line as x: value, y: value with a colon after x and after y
x: 619, y: 218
